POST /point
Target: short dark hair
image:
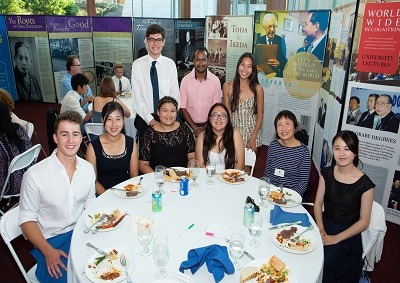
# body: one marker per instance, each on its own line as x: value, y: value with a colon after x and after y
x: 321, y: 17
x: 374, y: 95
x: 69, y: 116
x: 109, y: 108
x: 351, y: 140
x: 154, y: 29
x: 70, y: 61
x: 390, y: 99
x: 167, y: 99
x: 356, y: 98
x: 18, y: 45
x: 288, y: 115
x: 78, y: 80
x: 201, y: 48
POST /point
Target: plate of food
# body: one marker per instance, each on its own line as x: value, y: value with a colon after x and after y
x: 130, y: 191
x: 108, y: 268
x: 289, y: 198
x: 114, y: 219
x: 233, y: 176
x: 174, y: 174
x: 281, y: 238
x: 267, y: 270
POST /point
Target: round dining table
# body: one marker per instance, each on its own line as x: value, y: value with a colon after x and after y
x: 220, y: 206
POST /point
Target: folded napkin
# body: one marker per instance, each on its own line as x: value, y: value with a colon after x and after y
x: 216, y: 258
x: 278, y: 216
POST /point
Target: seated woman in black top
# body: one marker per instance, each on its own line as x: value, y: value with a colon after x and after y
x: 113, y: 155
x: 168, y: 142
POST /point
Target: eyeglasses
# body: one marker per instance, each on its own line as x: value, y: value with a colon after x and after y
x: 381, y: 103
x: 218, y: 116
x: 250, y: 200
x: 78, y: 65
x: 154, y: 40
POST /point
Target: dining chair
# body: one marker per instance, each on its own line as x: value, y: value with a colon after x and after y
x: 250, y: 159
x: 10, y: 230
x: 29, y: 128
x: 94, y: 129
x: 19, y: 162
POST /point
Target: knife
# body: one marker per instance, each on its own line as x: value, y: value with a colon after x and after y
x: 284, y: 225
x: 245, y: 253
x: 96, y: 248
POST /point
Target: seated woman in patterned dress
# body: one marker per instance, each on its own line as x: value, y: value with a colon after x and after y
x: 113, y: 155
x: 244, y: 97
x: 288, y: 160
x: 168, y: 142
x: 220, y: 143
x: 13, y: 141
x: 347, y: 195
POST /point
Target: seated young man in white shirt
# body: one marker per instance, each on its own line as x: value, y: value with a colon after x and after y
x: 54, y: 193
x: 71, y: 101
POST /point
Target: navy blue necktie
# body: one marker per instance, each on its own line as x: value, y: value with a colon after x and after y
x: 154, y: 83
x: 120, y: 87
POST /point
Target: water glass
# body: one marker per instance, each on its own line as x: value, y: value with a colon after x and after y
x: 210, y: 170
x: 236, y: 249
x: 255, y: 229
x: 160, y: 256
x: 264, y: 186
x: 194, y: 169
x: 159, y: 177
x: 145, y: 235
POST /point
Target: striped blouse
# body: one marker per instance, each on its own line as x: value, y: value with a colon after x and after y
x: 296, y: 163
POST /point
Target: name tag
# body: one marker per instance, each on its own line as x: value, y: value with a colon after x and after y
x: 279, y: 172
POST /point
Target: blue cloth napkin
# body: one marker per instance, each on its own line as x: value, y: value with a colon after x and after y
x: 278, y: 216
x: 216, y: 258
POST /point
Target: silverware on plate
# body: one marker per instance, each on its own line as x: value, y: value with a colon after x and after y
x: 295, y: 239
x: 100, y: 251
x: 122, y: 259
x: 284, y: 225
x: 101, y: 219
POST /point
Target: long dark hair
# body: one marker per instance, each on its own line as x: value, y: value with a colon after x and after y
x: 9, y: 128
x: 351, y: 140
x: 253, y: 82
x: 227, y: 142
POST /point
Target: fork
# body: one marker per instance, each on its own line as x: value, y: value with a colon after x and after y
x: 122, y: 259
x: 101, y: 219
x: 295, y: 239
x: 283, y: 194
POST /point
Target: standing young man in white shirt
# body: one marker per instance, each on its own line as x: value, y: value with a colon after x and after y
x: 145, y: 99
x: 54, y: 193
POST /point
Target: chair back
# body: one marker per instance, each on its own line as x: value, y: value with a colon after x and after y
x: 10, y: 230
x: 30, y: 128
x: 19, y: 162
x: 94, y: 129
x: 250, y: 159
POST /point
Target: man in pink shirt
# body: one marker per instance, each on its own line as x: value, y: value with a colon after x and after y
x: 200, y: 89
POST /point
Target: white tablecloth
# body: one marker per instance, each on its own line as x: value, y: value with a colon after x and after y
x: 220, y: 204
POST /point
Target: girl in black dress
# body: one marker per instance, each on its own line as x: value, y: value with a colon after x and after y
x: 347, y: 195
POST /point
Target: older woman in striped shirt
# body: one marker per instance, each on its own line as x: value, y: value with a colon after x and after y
x: 288, y: 161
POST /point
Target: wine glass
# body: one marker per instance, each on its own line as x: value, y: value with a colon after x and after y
x: 160, y: 256
x: 255, y: 229
x: 236, y: 249
x: 194, y: 169
x: 210, y: 170
x: 145, y: 235
x: 159, y: 176
x: 263, y: 190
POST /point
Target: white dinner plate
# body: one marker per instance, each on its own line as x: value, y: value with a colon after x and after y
x: 122, y: 194
x: 258, y: 262
x: 168, y: 179
x: 309, y: 235
x: 93, y: 274
x: 244, y: 175
x: 94, y: 215
x: 289, y: 194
